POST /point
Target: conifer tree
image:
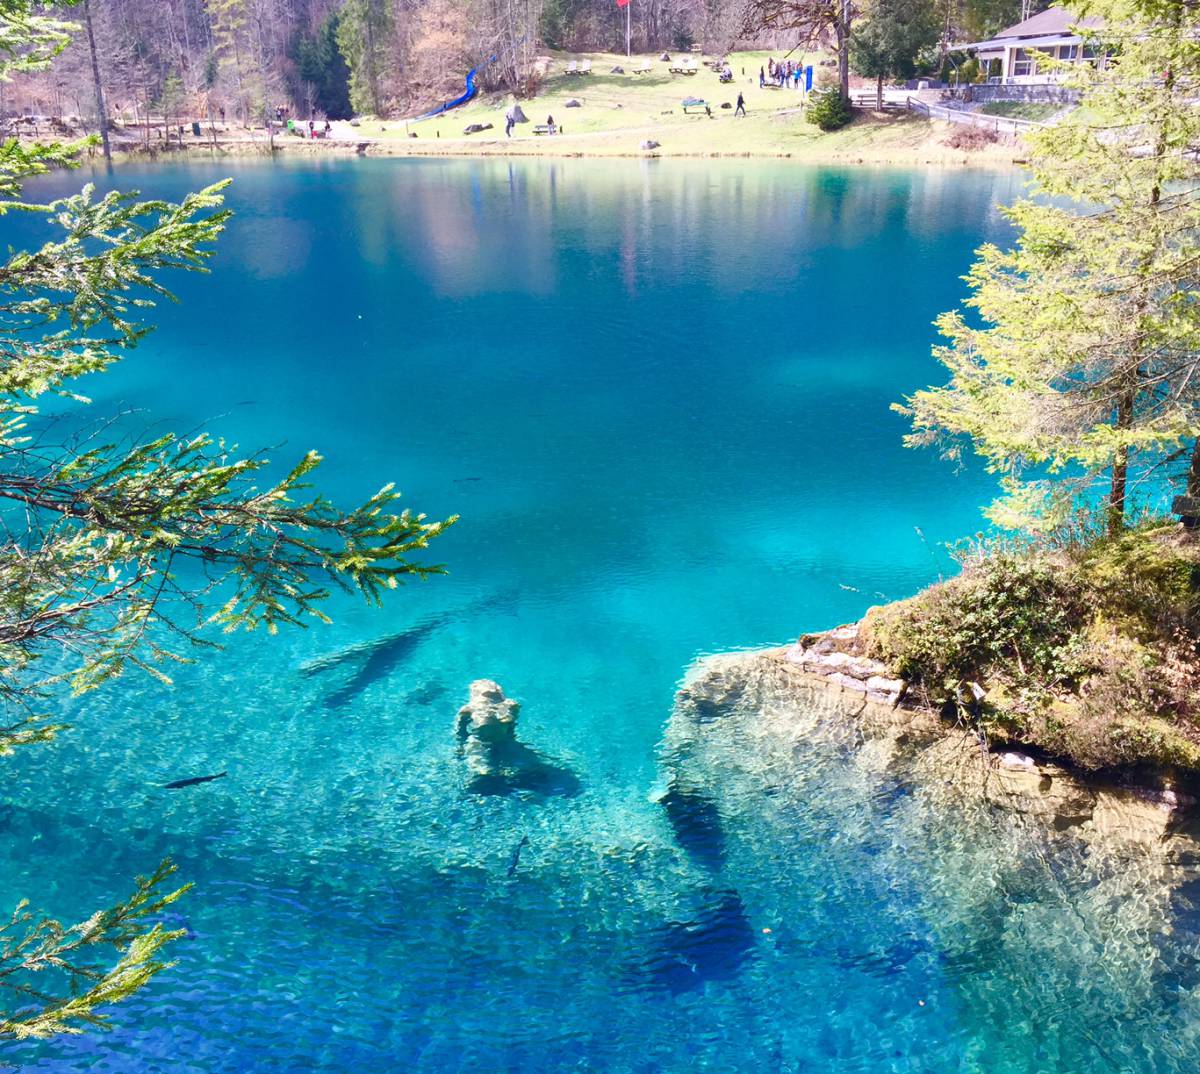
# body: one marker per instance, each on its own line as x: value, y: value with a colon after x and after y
x: 123, y: 556
x: 1074, y: 371
x: 888, y: 42
x: 362, y: 34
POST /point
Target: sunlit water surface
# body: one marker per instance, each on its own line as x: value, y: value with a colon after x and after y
x: 658, y: 395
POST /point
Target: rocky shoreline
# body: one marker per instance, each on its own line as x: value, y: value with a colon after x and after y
x: 822, y: 687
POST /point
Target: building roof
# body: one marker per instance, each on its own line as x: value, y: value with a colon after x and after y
x: 1049, y: 26
x: 1054, y: 20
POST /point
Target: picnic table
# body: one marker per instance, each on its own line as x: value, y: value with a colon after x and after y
x: 545, y: 128
x: 695, y: 103
x: 684, y: 70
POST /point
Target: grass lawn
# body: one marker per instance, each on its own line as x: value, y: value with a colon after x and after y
x: 618, y: 112
x: 1037, y: 111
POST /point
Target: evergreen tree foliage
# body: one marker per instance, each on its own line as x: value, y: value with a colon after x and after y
x: 829, y: 110
x: 559, y: 18
x: 889, y: 41
x: 1075, y: 370
x: 320, y: 63
x: 362, y: 35
x: 119, y: 554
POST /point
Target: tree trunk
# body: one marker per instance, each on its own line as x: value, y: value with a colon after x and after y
x: 372, y: 74
x: 1189, y: 509
x: 1120, y: 468
x: 146, y: 106
x: 842, y: 28
x: 101, y: 111
x: 879, y: 93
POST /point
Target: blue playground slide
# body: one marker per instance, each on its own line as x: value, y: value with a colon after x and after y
x: 457, y: 100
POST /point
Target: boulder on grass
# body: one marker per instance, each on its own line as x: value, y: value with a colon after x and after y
x: 650, y: 143
x: 573, y: 103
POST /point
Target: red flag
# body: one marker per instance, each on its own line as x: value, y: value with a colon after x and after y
x: 622, y: 3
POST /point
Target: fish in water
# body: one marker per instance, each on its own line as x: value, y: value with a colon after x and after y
x: 712, y: 946
x: 696, y: 822
x: 191, y: 781
x: 516, y: 855
x: 464, y: 480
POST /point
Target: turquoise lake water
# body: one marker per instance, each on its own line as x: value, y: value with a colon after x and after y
x: 657, y: 394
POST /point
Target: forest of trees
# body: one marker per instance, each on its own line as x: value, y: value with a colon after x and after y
x: 335, y: 58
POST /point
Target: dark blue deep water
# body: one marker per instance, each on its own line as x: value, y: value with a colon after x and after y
x: 657, y: 394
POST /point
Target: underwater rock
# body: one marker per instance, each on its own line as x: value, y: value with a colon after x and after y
x: 488, y: 716
x: 372, y: 661
x: 486, y: 728
x: 738, y: 715
x: 713, y: 945
x: 426, y: 694
x: 696, y: 822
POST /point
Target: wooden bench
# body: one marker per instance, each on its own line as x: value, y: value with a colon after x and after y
x: 545, y: 128
x: 683, y: 70
x: 645, y: 69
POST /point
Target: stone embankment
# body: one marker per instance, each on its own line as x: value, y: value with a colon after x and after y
x: 834, y: 657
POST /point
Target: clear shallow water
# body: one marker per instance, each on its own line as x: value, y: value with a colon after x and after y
x: 657, y: 395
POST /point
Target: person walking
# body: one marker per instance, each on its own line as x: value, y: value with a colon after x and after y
x: 762, y: 79
x: 509, y: 123
x: 741, y: 106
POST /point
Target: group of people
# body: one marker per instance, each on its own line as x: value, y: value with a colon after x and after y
x: 781, y: 74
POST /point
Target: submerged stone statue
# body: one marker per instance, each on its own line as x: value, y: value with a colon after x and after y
x: 486, y: 729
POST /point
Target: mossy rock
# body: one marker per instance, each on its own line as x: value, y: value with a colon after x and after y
x: 1089, y: 653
